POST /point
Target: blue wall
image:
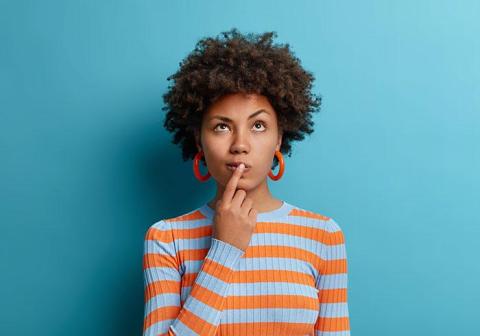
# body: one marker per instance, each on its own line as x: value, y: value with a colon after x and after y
x: 86, y: 164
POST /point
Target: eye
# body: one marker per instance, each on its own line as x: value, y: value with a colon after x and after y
x: 221, y: 124
x: 258, y: 122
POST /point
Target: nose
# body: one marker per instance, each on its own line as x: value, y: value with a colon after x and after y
x: 240, y: 143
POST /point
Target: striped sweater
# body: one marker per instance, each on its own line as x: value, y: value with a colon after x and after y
x: 291, y: 279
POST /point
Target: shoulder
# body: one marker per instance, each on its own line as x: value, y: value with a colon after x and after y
x: 182, y: 221
x: 160, y: 230
x: 317, y: 220
x: 318, y: 217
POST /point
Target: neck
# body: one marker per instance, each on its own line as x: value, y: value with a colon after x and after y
x: 263, y: 200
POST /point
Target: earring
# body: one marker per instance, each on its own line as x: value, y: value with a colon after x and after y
x: 196, y: 168
x: 279, y: 156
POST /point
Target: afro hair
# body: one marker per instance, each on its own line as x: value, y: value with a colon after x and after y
x: 240, y: 63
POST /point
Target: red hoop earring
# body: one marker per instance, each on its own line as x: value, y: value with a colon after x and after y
x: 279, y: 156
x: 196, y: 168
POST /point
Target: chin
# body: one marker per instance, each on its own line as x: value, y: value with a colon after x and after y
x: 243, y: 182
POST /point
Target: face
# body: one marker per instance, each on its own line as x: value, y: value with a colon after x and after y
x: 240, y: 127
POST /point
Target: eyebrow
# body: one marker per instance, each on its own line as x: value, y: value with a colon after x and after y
x: 250, y: 117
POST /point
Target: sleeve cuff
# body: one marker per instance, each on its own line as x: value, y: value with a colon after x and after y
x: 224, y: 253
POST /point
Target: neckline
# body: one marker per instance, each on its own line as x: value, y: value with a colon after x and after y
x: 274, y: 214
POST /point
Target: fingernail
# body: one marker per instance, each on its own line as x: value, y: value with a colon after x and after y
x: 241, y: 166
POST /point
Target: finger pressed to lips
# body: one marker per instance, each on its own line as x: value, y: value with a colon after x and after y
x: 233, y: 168
x: 231, y: 186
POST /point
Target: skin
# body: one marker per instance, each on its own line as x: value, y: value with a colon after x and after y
x: 253, y: 141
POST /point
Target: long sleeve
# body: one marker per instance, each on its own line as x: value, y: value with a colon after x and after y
x: 202, y: 309
x: 333, y: 318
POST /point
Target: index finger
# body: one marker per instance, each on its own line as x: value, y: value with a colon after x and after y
x: 232, y: 184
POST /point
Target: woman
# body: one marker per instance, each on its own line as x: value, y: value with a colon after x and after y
x: 244, y: 263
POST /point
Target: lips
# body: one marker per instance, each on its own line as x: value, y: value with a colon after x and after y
x: 233, y: 167
x: 236, y: 164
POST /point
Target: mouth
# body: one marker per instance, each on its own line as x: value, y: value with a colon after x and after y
x: 233, y: 167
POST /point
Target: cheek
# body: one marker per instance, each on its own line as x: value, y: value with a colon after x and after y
x: 215, y: 144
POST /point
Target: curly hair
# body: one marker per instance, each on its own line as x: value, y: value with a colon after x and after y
x: 240, y: 63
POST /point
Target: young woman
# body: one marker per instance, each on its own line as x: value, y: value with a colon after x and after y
x: 246, y: 262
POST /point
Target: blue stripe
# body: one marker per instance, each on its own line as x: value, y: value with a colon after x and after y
x: 286, y: 315
x: 332, y: 333
x: 161, y: 301
x: 332, y: 281
x: 157, y: 247
x: 153, y: 274
x: 158, y: 328
x: 181, y: 329
x: 202, y: 310
x: 268, y: 288
x: 337, y: 309
x: 258, y: 264
x: 211, y: 283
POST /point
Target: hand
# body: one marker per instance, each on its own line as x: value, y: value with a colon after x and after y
x: 235, y: 219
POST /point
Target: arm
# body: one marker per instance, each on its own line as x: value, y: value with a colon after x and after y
x: 202, y: 309
x: 333, y: 318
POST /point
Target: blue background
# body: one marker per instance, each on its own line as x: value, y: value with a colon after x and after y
x: 86, y: 166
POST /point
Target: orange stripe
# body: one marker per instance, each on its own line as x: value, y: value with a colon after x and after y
x: 272, y: 301
x: 159, y: 260
x: 335, y: 295
x: 196, y: 215
x: 217, y: 270
x: 161, y: 287
x: 335, y: 266
x: 160, y: 314
x: 335, y: 238
x: 197, y: 324
x: 317, y: 234
x: 208, y: 297
x: 192, y: 255
x: 330, y: 266
x: 160, y: 235
x: 188, y: 279
x: 193, y: 233
x: 307, y: 214
x: 256, y: 252
x: 333, y: 324
x: 257, y: 276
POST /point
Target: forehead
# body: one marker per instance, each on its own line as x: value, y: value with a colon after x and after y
x: 237, y: 104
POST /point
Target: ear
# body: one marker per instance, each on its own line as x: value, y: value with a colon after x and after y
x: 279, y: 141
x: 196, y: 135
